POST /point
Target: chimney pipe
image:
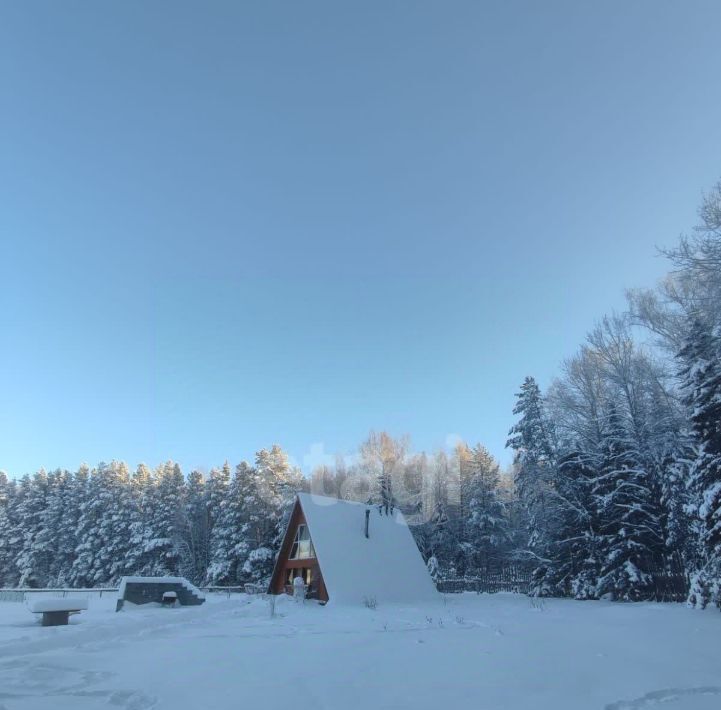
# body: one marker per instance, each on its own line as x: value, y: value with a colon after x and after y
x: 368, y: 515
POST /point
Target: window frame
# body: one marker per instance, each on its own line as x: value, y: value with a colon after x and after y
x: 302, y: 535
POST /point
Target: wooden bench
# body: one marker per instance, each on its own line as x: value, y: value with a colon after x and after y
x: 56, y: 612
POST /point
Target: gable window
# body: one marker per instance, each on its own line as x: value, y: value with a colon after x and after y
x: 302, y: 545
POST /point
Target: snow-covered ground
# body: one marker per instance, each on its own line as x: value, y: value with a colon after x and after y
x: 482, y: 652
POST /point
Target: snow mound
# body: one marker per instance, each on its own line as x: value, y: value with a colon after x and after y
x: 67, y: 604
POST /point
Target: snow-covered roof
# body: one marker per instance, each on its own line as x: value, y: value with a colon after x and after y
x: 386, y: 566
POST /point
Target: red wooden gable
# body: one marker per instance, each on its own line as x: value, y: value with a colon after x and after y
x: 307, y: 567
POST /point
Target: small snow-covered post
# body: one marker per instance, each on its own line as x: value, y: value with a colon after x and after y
x: 299, y: 589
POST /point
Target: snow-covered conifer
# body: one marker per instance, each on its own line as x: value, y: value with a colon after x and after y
x: 701, y: 379
x: 532, y: 441
x: 631, y: 533
x: 8, y: 551
x: 32, y: 560
x: 195, y: 530
x: 165, y: 520
x: 486, y: 529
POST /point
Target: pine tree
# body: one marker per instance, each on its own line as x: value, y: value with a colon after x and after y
x: 56, y: 538
x: 8, y: 552
x: 79, y: 573
x: 32, y: 559
x: 116, y: 521
x: 104, y: 527
x: 667, y: 450
x: 165, y: 522
x: 218, y: 491
x: 442, y: 539
x: 463, y: 469
x: 576, y: 549
x: 701, y: 381
x: 382, y: 457
x: 141, y: 500
x: 531, y: 440
x: 486, y: 530
x: 229, y: 547
x: 274, y: 483
x: 631, y: 534
x: 195, y: 536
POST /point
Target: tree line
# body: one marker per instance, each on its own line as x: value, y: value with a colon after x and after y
x: 90, y: 527
x: 618, y: 465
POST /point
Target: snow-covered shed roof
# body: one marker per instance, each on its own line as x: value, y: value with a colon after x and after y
x: 386, y: 565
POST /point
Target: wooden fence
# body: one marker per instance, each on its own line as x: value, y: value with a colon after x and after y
x: 666, y: 587
x: 22, y: 593
x: 511, y: 579
x: 225, y: 590
x: 670, y: 587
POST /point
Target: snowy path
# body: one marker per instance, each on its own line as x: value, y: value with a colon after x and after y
x: 488, y: 652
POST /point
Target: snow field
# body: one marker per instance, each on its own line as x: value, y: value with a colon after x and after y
x: 490, y: 652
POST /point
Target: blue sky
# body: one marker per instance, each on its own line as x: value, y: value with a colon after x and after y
x: 228, y: 224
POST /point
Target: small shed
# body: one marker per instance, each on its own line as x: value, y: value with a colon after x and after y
x: 145, y: 590
x: 350, y: 552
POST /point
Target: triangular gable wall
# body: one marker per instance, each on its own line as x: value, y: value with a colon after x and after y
x: 283, y: 565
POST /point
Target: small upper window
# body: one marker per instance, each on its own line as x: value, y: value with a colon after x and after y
x: 302, y: 545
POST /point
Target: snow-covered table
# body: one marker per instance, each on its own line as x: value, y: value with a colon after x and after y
x: 56, y: 612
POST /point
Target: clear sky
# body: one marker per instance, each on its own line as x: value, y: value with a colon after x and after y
x: 228, y: 224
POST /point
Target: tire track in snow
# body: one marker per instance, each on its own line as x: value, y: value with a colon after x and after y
x: 134, y: 626
x: 22, y: 681
x: 29, y: 670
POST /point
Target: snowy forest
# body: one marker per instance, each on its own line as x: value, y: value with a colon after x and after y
x: 618, y: 465
x: 614, y: 490
x: 90, y: 527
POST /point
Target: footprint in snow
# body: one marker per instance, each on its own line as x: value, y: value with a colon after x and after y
x: 131, y: 700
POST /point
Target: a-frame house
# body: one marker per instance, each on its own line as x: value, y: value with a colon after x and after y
x: 350, y: 552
